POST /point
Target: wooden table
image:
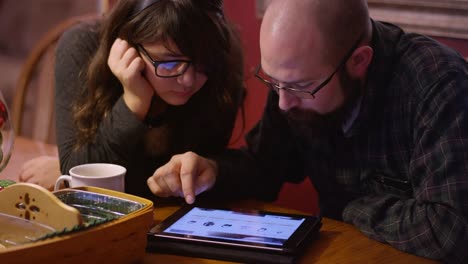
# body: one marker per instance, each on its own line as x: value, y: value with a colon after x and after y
x: 338, y: 242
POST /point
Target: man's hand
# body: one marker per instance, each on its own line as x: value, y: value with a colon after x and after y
x: 185, y: 175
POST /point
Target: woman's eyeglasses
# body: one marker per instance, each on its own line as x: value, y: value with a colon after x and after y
x: 167, y: 68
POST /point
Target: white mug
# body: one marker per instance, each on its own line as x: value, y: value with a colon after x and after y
x: 103, y: 175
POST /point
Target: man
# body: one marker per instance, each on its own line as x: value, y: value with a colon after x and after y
x: 377, y: 118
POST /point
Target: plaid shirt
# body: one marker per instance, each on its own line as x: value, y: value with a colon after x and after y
x: 400, y: 173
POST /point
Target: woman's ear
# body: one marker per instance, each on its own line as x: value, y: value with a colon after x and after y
x: 359, y: 62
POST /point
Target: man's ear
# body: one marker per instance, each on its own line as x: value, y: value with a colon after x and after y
x: 359, y: 62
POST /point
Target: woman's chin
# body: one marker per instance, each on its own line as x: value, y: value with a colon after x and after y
x: 176, y: 100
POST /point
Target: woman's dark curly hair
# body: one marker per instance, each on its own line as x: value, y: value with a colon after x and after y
x: 200, y: 31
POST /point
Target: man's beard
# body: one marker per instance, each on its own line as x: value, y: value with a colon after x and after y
x: 311, y: 124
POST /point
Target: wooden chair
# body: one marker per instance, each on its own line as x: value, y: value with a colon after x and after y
x: 33, y: 104
x: 37, y: 84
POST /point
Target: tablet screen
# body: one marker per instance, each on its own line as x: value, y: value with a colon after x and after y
x: 245, y: 226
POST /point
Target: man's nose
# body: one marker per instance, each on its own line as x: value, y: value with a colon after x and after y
x: 287, y: 100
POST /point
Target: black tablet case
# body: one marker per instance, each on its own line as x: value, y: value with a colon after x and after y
x: 225, y: 252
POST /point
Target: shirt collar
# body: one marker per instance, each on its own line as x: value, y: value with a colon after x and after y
x: 348, y: 122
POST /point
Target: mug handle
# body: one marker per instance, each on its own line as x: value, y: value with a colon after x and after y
x: 63, y: 178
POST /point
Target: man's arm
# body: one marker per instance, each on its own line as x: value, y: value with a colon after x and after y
x: 270, y: 158
x: 256, y: 171
x: 434, y: 222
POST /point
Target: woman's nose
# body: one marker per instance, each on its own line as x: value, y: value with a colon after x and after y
x: 188, y: 78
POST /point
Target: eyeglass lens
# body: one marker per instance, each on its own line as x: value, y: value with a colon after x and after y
x: 171, y: 68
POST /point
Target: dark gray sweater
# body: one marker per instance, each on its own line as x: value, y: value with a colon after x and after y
x: 122, y: 138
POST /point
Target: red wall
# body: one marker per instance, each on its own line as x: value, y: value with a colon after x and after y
x: 461, y: 45
x: 242, y: 13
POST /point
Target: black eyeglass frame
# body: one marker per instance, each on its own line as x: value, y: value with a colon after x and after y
x: 312, y: 93
x: 156, y: 63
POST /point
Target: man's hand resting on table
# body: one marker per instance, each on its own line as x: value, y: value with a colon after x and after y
x: 185, y: 175
x: 43, y: 170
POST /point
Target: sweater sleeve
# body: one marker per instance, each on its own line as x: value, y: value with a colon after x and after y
x: 120, y: 130
x: 270, y: 158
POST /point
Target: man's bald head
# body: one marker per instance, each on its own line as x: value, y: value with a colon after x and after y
x: 329, y: 25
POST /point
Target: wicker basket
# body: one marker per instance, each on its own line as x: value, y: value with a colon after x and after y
x: 122, y: 240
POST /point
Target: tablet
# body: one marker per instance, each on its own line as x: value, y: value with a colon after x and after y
x: 234, y: 234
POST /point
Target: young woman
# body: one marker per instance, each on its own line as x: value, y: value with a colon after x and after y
x: 152, y: 79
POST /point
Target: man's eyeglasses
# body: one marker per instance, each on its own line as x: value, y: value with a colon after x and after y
x: 306, y: 91
x: 168, y: 68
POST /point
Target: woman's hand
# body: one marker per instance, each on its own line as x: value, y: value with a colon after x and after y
x: 185, y: 175
x: 43, y: 170
x: 127, y: 65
